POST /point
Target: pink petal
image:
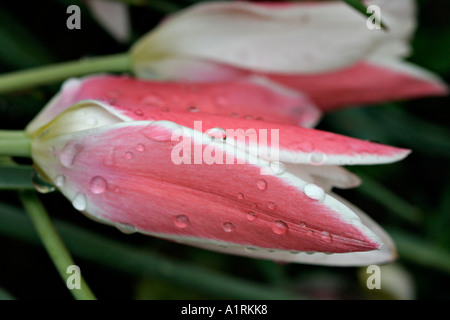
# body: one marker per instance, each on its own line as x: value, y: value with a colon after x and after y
x: 367, y: 82
x: 122, y: 174
x: 364, y: 83
x: 250, y: 97
x: 285, y: 142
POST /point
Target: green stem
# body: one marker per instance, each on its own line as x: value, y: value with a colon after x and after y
x: 53, y: 243
x: 15, y: 147
x: 57, y: 72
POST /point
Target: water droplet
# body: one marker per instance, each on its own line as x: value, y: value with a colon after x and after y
x: 314, y: 191
x: 140, y: 147
x: 60, y: 180
x: 272, y: 205
x: 138, y: 112
x: 310, y: 233
x: 303, y: 146
x: 250, y: 249
x: 79, y: 202
x: 234, y: 115
x: 255, y: 206
x: 249, y: 117
x: 277, y: 167
x: 41, y: 185
x: 302, y: 224
x: 125, y: 228
x: 162, y: 131
x: 280, y: 227
x: 98, y: 185
x: 192, y: 109
x: 317, y: 158
x: 251, y: 216
x: 228, y: 227
x: 128, y: 155
x: 261, y: 184
x: 326, y: 236
x: 217, y: 134
x: 69, y: 153
x: 240, y: 196
x: 181, y: 221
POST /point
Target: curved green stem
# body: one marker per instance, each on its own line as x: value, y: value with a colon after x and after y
x: 53, y: 243
x: 57, y: 72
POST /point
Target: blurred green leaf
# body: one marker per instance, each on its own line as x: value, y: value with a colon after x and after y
x: 415, y: 249
x: 4, y: 295
x: 16, y: 177
x: 139, y: 261
x: 19, y: 47
x: 374, y: 190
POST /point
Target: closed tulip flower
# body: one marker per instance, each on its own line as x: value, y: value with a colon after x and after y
x: 166, y: 160
x: 324, y: 49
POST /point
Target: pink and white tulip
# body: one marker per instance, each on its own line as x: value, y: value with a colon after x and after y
x: 110, y: 151
x: 323, y: 49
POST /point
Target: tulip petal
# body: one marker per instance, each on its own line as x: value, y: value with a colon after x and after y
x: 367, y: 82
x: 250, y: 97
x: 295, y: 38
x: 125, y: 174
x: 113, y: 16
x: 285, y: 143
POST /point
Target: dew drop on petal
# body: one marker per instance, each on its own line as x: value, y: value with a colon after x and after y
x: 69, y: 153
x: 280, y: 227
x: 228, y: 227
x: 277, y: 167
x: 140, y: 147
x: 251, y: 216
x: 126, y: 228
x: 314, y: 191
x: 128, y: 155
x: 261, y: 184
x: 181, y: 221
x: 272, y: 205
x: 310, y: 233
x: 317, y: 158
x: 192, y: 109
x: 79, y: 202
x: 240, y: 196
x: 60, y: 180
x: 326, y: 236
x: 98, y: 185
x: 217, y: 134
x: 41, y: 185
x: 162, y: 131
x: 138, y: 112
